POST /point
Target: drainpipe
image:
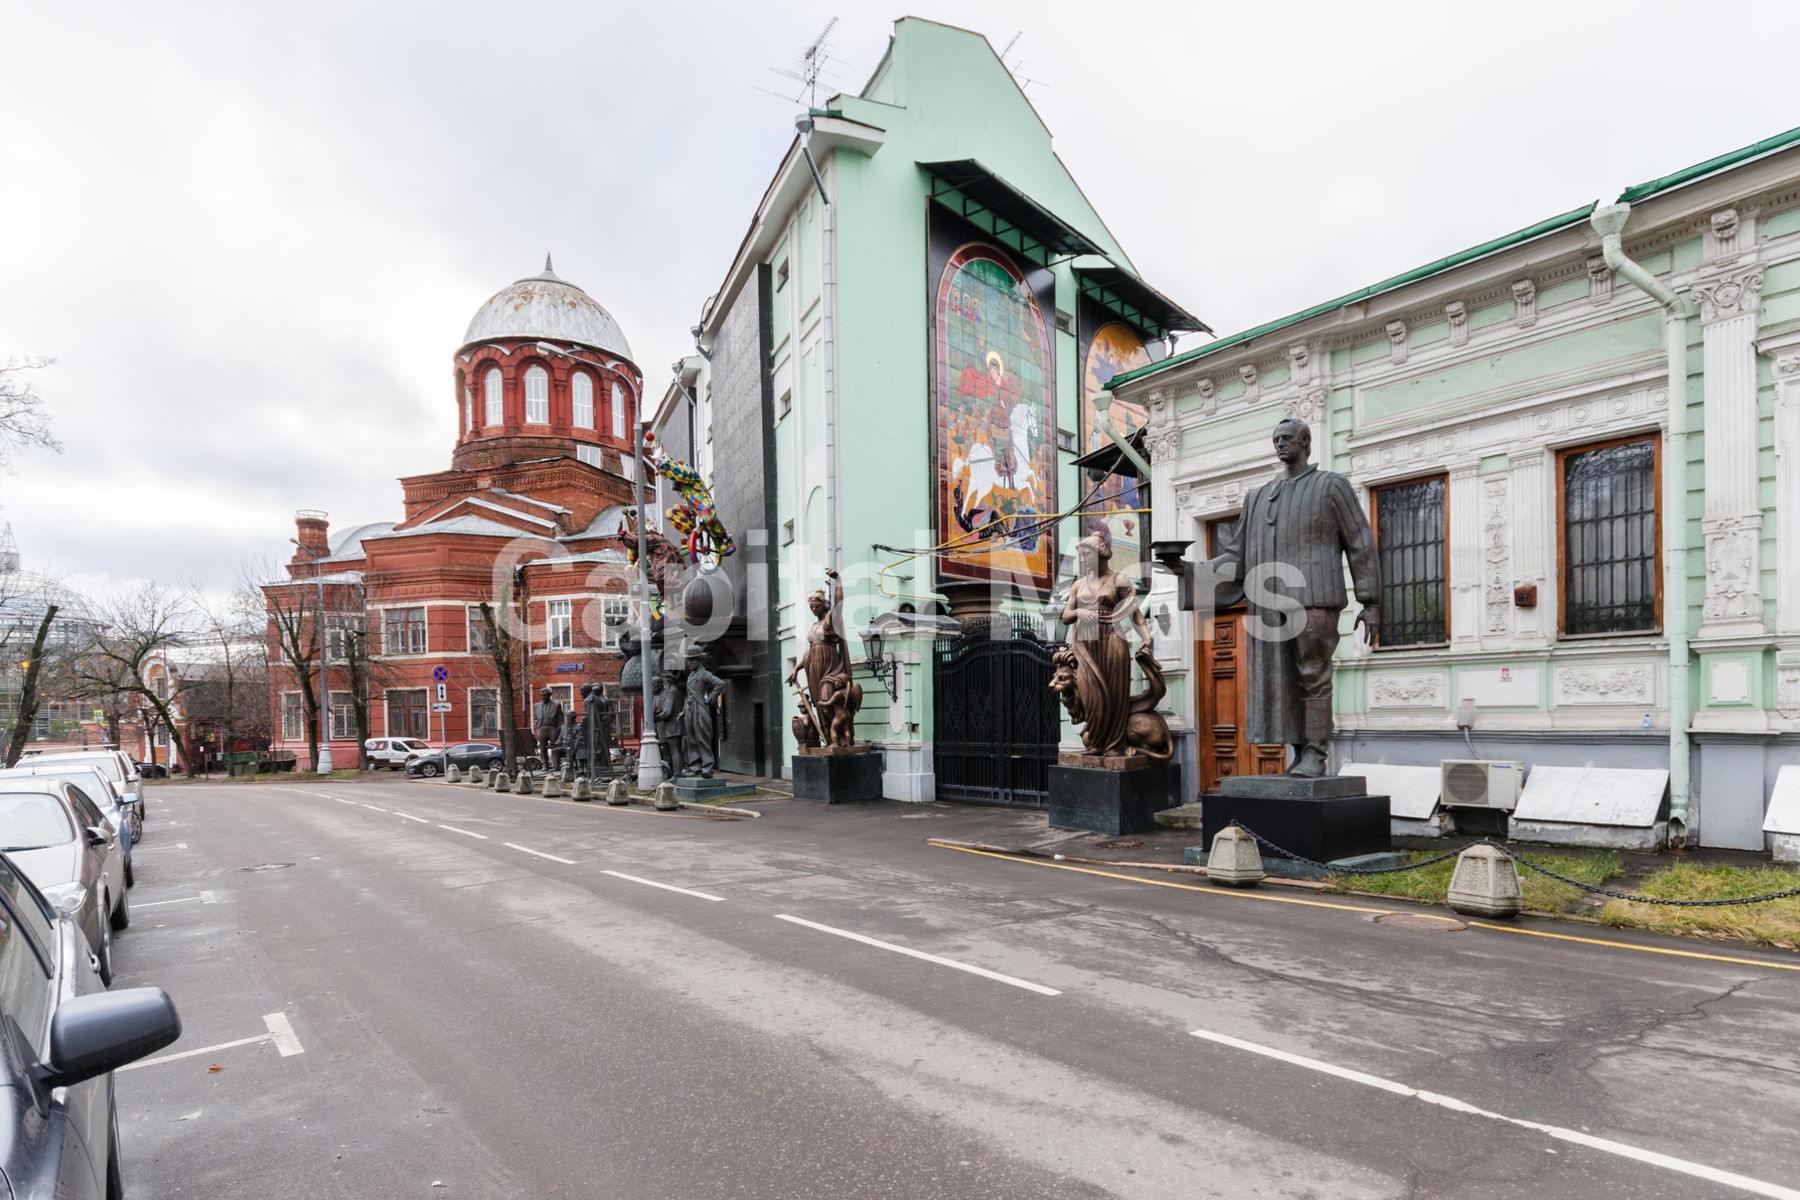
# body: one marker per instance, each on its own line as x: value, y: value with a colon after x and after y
x: 827, y: 337
x: 1609, y: 221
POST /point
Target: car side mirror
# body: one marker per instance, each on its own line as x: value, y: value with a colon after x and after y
x: 93, y: 1034
x: 96, y: 837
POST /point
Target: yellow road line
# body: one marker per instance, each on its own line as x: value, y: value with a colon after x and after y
x: 1245, y: 894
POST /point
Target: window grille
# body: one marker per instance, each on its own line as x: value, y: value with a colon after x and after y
x: 1610, y: 551
x: 1410, y: 545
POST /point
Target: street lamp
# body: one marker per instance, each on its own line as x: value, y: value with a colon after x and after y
x: 881, y: 666
x: 650, y: 772
x: 323, y: 762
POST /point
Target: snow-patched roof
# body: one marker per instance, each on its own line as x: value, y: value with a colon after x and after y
x: 546, y: 306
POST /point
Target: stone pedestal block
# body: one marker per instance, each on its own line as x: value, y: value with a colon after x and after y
x: 690, y: 789
x: 553, y: 786
x: 453, y: 774
x: 1318, y: 819
x: 524, y: 784
x: 1485, y: 884
x: 1235, y: 861
x: 1103, y: 801
x: 617, y: 793
x: 581, y: 789
x: 837, y: 778
x: 665, y: 797
x: 477, y: 777
x: 502, y: 781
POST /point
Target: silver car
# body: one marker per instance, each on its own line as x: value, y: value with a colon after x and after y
x: 116, y: 766
x: 52, y: 830
x: 119, y: 809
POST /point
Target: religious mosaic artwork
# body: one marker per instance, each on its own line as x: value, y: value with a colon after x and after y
x: 1114, y: 349
x: 996, y: 433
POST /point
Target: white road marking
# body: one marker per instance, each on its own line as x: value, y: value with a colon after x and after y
x: 152, y: 1062
x: 464, y: 832
x: 160, y: 903
x: 1039, y: 988
x: 1667, y: 1162
x: 410, y: 817
x: 281, y: 1032
x: 208, y: 898
x: 339, y: 799
x: 540, y: 853
x: 372, y: 808
x: 667, y: 887
x: 181, y: 845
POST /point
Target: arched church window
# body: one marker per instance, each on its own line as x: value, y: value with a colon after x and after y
x: 618, y: 411
x: 494, y: 414
x: 584, y: 400
x: 537, y: 396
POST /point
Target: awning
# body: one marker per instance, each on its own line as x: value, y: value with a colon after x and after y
x: 1136, y: 302
x: 976, y: 193
x: 1109, y: 459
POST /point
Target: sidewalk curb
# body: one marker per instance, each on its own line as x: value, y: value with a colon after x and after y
x: 1306, y: 885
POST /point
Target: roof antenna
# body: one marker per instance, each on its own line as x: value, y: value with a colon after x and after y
x: 808, y: 68
x: 1016, y: 67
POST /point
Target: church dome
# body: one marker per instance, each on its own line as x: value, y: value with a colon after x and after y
x: 549, y: 307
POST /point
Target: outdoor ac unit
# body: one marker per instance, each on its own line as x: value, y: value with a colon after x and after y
x: 1477, y: 783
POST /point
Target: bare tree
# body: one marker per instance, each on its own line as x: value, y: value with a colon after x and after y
x: 505, y: 652
x: 293, y: 638
x: 134, y: 630
x: 23, y: 419
x: 227, y: 690
x: 29, y: 697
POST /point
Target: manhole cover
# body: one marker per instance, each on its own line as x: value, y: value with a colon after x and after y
x: 1418, y: 921
x: 267, y: 867
x: 1118, y: 844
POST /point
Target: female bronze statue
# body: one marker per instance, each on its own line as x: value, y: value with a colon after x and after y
x: 1093, y: 672
x: 829, y: 697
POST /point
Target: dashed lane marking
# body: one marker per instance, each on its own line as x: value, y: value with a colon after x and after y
x: 160, y: 903
x: 372, y: 808
x: 280, y: 1034
x: 1653, y: 1158
x: 464, y: 832
x: 1039, y: 988
x: 667, y: 887
x: 410, y: 817
x: 528, y: 850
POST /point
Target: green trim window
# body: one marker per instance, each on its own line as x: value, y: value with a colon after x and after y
x: 1410, y: 523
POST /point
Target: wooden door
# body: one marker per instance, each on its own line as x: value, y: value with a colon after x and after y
x: 1222, y: 706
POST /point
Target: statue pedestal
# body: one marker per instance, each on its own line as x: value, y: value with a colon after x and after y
x: 836, y: 775
x: 1325, y: 819
x: 1103, y: 800
x: 694, y: 789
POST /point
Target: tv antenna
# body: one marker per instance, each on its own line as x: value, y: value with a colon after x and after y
x: 807, y: 69
x: 1016, y: 66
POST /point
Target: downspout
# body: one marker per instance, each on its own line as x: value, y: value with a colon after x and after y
x: 827, y: 337
x: 1609, y: 221
x: 1103, y: 403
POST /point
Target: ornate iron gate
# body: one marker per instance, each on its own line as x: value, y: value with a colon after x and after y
x: 996, y: 720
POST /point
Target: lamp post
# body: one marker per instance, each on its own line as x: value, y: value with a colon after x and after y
x: 650, y: 772
x: 323, y: 762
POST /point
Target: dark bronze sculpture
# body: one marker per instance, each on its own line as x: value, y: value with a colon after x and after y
x: 1093, y: 672
x: 829, y: 699
x: 670, y: 710
x: 1287, y: 560
x: 700, y: 718
x: 547, y: 723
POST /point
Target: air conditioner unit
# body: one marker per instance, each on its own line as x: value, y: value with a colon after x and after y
x: 1478, y: 783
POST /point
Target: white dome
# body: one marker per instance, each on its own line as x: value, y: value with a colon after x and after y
x: 545, y: 306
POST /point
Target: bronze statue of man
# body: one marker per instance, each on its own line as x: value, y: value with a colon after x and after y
x: 1287, y: 558
x: 547, y: 723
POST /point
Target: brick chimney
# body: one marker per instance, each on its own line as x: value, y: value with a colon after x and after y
x: 315, y: 542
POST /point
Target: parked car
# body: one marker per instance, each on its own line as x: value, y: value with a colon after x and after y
x: 396, y: 752
x: 59, y: 1120
x: 151, y: 770
x: 117, y: 767
x: 112, y: 803
x: 62, y: 843
x: 462, y: 756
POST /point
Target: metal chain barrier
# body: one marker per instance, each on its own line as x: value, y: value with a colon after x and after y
x: 1338, y: 869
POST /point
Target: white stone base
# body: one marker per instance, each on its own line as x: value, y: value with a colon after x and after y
x: 1431, y: 827
x: 1787, y: 847
x: 907, y: 774
x: 1603, y: 837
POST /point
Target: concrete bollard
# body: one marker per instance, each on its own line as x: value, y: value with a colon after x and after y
x: 478, y: 777
x: 452, y: 774
x: 1485, y: 884
x: 617, y: 793
x: 665, y: 797
x: 502, y: 781
x: 581, y: 789
x: 553, y: 786
x: 524, y: 783
x: 1235, y: 860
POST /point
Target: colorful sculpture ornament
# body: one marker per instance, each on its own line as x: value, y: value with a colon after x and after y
x: 695, y: 517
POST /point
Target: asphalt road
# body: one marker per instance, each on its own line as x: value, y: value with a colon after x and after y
x: 396, y: 989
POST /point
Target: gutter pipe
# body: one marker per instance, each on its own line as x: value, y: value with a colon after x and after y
x: 827, y: 337
x: 1609, y: 221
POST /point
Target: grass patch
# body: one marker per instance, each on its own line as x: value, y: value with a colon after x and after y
x: 1542, y: 894
x: 1771, y: 923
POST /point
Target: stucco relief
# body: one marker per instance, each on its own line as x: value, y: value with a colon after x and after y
x: 1164, y: 446
x: 1309, y: 407
x: 1634, y: 685
x: 1788, y: 364
x: 1524, y: 294
x: 1209, y: 397
x: 1457, y: 314
x: 1407, y: 691
x: 1732, y: 593
x: 1300, y: 364
x: 1252, y: 380
x: 1725, y: 233
x: 1730, y: 295
x: 1496, y: 566
x: 1396, y: 332
x: 1600, y: 281
x: 1787, y: 692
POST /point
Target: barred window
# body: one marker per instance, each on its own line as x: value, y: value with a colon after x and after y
x: 293, y: 717
x: 1414, y: 557
x: 1611, y: 554
x: 484, y: 715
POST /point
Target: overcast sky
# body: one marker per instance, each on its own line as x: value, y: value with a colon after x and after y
x: 252, y: 235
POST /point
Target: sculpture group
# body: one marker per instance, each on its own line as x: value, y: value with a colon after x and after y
x: 829, y: 698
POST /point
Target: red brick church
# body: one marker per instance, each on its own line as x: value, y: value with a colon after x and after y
x: 525, y: 518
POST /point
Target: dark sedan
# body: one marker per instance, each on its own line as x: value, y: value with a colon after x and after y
x: 59, y: 1121
x: 464, y: 755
